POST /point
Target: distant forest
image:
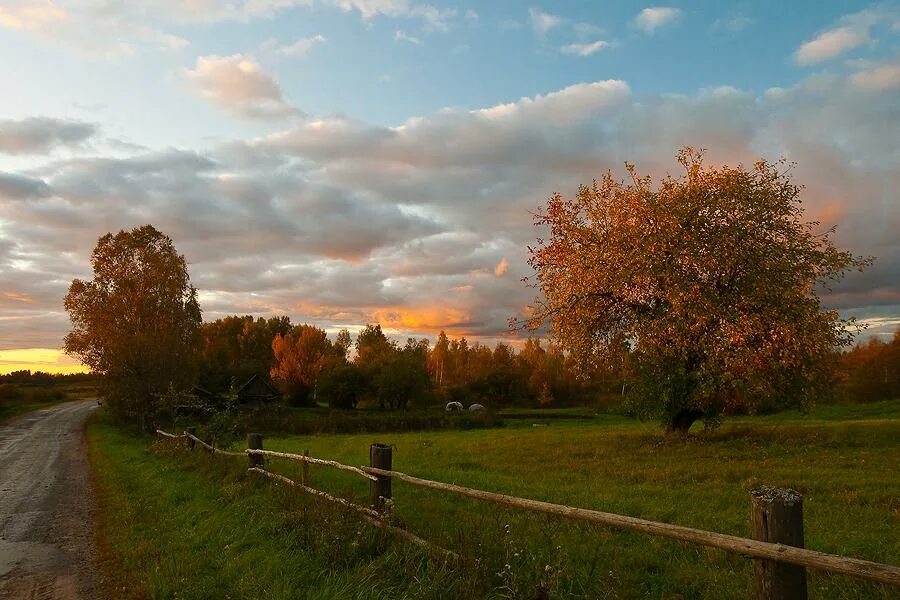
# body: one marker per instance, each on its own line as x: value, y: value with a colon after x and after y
x: 309, y: 368
x: 373, y: 370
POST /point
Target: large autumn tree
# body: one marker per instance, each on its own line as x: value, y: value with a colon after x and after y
x: 302, y: 356
x: 711, y: 278
x: 137, y: 322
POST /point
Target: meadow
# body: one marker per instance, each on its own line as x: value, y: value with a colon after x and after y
x: 209, y: 528
x: 19, y: 397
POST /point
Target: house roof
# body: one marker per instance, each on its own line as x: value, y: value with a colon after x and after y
x: 257, y: 378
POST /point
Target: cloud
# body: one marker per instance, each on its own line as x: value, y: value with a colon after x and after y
x: 878, y: 77
x: 116, y: 29
x: 586, y: 49
x: 31, y: 16
x: 853, y: 30
x: 401, y: 36
x: 569, y: 104
x: 95, y: 30
x: 434, y: 19
x: 652, y: 18
x: 20, y: 187
x: 237, y: 84
x: 830, y: 44
x: 511, y: 156
x: 542, y: 22
x: 372, y: 8
x: 423, y: 224
x: 34, y: 14
x: 301, y: 47
x: 40, y: 135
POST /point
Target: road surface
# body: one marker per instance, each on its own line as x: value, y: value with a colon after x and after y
x: 46, y: 509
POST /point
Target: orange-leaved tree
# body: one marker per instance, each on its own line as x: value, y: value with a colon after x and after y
x: 710, y: 278
x: 137, y: 322
x: 301, y: 357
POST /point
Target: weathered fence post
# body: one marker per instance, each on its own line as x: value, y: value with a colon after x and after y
x: 776, y: 515
x: 255, y: 442
x: 190, y: 440
x: 305, y: 480
x: 380, y: 489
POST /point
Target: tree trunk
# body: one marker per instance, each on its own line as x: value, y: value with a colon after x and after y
x: 682, y: 420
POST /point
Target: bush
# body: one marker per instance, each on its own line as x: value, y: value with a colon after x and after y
x: 342, y: 386
x: 224, y: 428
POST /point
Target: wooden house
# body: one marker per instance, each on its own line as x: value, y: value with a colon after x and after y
x: 257, y: 391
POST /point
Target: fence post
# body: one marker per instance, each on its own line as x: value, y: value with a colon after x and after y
x: 255, y: 442
x: 190, y: 441
x: 776, y: 515
x: 380, y: 489
x: 305, y: 480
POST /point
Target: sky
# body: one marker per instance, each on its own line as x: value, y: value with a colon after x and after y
x: 354, y: 161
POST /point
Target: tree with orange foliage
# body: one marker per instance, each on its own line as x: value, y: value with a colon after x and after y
x: 301, y: 357
x: 871, y: 370
x: 710, y: 277
x: 137, y: 322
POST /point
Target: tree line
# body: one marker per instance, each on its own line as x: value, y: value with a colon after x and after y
x: 309, y: 368
x: 870, y: 371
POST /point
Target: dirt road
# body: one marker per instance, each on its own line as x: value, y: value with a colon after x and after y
x: 46, y: 510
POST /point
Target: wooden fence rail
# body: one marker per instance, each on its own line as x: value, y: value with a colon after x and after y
x: 209, y: 446
x: 778, y: 554
x: 309, y: 459
x: 361, y: 509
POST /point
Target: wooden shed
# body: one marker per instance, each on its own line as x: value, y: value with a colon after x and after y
x: 257, y: 391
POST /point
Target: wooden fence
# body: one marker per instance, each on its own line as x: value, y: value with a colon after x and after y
x: 776, y: 517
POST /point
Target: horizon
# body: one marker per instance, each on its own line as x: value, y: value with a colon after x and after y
x: 344, y: 162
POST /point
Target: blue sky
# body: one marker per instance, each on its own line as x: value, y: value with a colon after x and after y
x: 344, y: 161
x: 364, y: 71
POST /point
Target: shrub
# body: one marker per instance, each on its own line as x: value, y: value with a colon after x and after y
x: 342, y: 386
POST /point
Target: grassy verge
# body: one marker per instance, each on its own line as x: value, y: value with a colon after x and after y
x: 19, y: 398
x: 187, y: 525
x: 201, y: 523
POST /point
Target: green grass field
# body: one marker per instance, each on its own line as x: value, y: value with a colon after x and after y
x: 210, y: 530
x: 8, y: 412
x: 12, y: 410
x: 18, y: 399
